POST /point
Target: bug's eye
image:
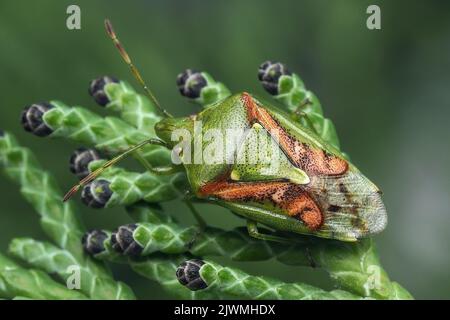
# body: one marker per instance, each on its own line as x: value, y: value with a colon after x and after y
x: 269, y: 73
x: 190, y: 83
x: 80, y: 159
x: 188, y: 274
x: 94, y: 241
x: 96, y: 194
x: 32, y: 119
x: 97, y: 89
x: 122, y: 240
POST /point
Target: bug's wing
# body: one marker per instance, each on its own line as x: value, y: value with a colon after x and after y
x: 259, y: 158
x: 351, y: 205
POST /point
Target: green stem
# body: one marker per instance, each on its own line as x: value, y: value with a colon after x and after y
x: 235, y: 283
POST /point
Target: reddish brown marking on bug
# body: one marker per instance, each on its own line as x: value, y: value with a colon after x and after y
x: 252, y: 112
x: 300, y: 204
x: 285, y: 195
x: 313, y: 161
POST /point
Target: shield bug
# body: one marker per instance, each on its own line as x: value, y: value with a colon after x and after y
x: 312, y: 188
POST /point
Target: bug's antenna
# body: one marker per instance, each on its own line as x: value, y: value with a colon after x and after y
x: 134, y: 70
x: 94, y: 174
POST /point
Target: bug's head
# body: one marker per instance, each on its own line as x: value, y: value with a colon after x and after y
x: 170, y: 130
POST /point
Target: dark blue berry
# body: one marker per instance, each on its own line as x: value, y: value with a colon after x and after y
x: 80, y: 159
x: 190, y: 83
x: 269, y: 73
x: 97, y: 89
x: 96, y: 194
x: 122, y: 240
x: 32, y: 119
x: 188, y: 274
x: 94, y: 241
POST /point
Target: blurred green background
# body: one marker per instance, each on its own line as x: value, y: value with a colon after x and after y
x: 386, y: 90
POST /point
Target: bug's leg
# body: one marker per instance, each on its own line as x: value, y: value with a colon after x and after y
x: 313, y: 264
x: 93, y: 175
x: 200, y: 221
x: 188, y: 199
x: 200, y: 87
x: 253, y: 231
x: 288, y: 88
x: 158, y: 170
x: 298, y: 114
x: 118, y: 186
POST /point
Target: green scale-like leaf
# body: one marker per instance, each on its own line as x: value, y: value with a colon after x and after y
x: 213, y: 91
x: 238, y: 284
x: 162, y: 269
x: 58, y: 220
x: 40, y: 189
x: 93, y: 281
x: 109, y: 134
x: 134, y: 108
x: 353, y: 266
x: 131, y: 187
x: 162, y: 238
x: 16, y: 281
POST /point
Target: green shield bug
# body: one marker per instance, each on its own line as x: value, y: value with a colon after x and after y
x: 304, y: 185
